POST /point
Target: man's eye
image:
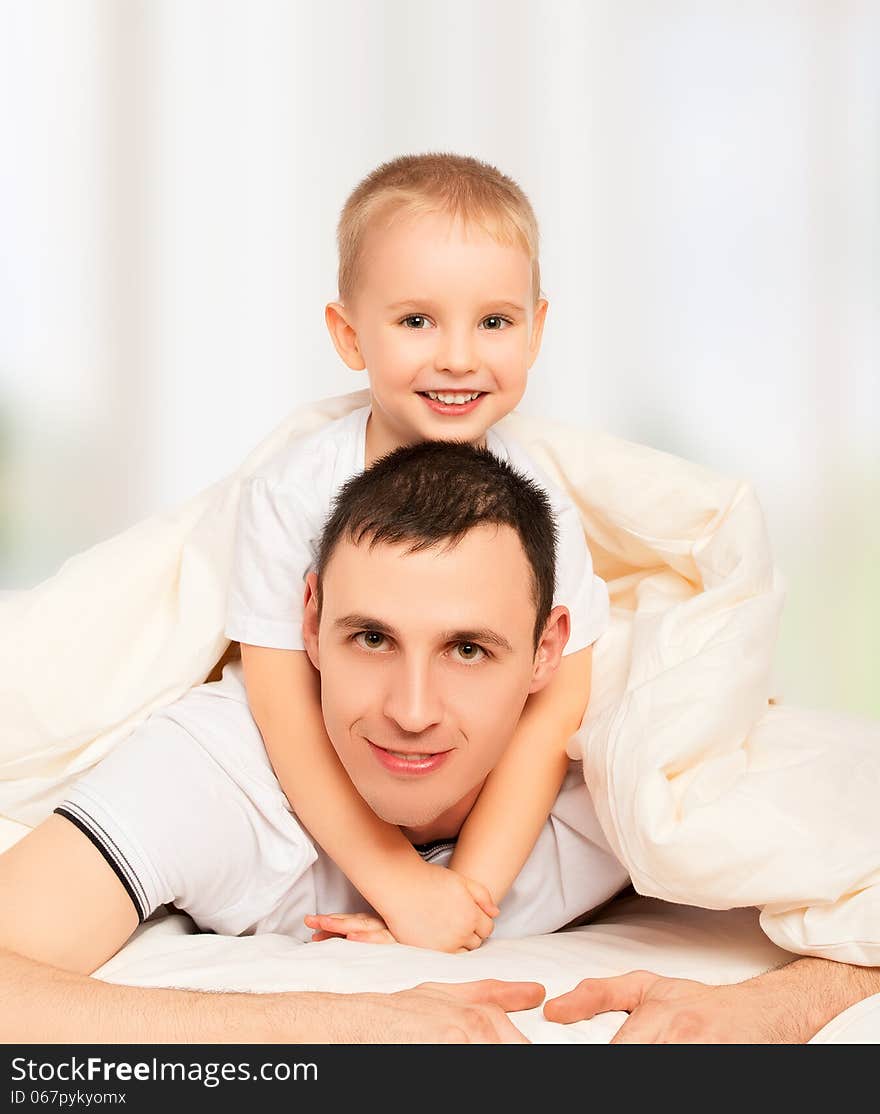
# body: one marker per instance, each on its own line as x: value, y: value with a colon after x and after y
x: 370, y: 639
x: 500, y: 323
x: 470, y: 651
x: 418, y: 317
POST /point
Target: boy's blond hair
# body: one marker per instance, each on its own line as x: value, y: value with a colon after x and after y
x: 457, y: 185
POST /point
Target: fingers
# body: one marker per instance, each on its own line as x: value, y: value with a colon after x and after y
x: 482, y: 1025
x: 508, y: 995
x: 483, y: 926
x: 488, y: 910
x: 483, y: 898
x: 472, y: 943
x: 592, y: 996
x: 380, y: 936
x: 344, y: 923
x: 361, y: 928
x: 505, y: 1029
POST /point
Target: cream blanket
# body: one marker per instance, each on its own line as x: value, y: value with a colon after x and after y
x: 709, y: 793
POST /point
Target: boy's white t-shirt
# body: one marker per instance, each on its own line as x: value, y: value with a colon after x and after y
x: 285, y: 505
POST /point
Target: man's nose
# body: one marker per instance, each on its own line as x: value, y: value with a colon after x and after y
x: 413, y: 700
x: 455, y: 352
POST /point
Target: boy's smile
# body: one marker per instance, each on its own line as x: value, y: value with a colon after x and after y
x: 445, y: 322
x: 452, y: 403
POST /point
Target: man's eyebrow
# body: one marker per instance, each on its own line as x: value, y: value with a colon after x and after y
x: 482, y: 635
x: 426, y: 303
x: 364, y: 622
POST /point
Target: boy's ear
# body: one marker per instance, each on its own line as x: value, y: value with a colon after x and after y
x: 537, y: 330
x: 549, y: 652
x: 343, y: 335
x: 310, y: 619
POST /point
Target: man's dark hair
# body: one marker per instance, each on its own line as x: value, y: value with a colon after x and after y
x: 436, y: 491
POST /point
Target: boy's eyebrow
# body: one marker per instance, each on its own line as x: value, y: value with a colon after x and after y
x: 482, y: 635
x: 428, y: 304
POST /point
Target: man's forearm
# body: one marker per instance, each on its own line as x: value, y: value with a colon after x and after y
x: 47, y: 1005
x: 817, y: 990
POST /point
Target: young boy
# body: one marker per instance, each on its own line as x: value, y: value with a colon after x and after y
x: 439, y: 300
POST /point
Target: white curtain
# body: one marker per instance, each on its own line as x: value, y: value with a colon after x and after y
x: 706, y: 178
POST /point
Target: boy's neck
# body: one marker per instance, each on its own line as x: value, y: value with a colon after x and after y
x: 379, y: 440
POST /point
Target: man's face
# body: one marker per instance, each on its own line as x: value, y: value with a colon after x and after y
x: 426, y: 661
x: 441, y: 307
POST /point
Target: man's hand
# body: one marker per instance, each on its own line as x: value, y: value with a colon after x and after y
x: 680, y: 1011
x: 439, y: 1013
x: 431, y: 906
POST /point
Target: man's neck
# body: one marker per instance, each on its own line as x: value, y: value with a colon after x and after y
x: 445, y: 826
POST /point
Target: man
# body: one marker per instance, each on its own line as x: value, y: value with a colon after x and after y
x: 188, y: 810
x: 183, y: 813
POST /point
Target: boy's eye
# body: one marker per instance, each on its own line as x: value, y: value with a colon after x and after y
x: 370, y: 639
x: 470, y: 651
x: 495, y: 323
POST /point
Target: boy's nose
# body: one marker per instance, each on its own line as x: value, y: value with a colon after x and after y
x: 455, y: 354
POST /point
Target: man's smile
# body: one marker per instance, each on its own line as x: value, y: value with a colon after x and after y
x: 409, y: 763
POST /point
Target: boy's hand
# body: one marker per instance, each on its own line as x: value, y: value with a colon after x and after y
x: 438, y: 908
x: 363, y: 928
x: 434, y: 907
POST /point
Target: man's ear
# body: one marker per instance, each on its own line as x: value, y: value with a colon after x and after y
x: 549, y: 652
x: 310, y: 618
x: 343, y: 335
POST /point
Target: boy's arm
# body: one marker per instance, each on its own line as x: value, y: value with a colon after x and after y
x: 64, y: 912
x: 518, y: 796
x: 422, y: 904
x: 283, y: 690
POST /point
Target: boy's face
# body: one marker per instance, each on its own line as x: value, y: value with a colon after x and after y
x: 427, y: 654
x: 443, y: 308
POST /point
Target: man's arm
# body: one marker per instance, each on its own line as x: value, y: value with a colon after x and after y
x: 788, y: 1005
x: 64, y: 912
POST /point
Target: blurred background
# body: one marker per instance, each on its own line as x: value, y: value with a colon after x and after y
x: 706, y: 174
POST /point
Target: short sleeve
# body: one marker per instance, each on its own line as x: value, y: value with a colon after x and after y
x: 276, y: 533
x: 176, y: 827
x: 577, y: 586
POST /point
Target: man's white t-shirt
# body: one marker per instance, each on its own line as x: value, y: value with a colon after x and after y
x: 187, y: 811
x: 285, y: 505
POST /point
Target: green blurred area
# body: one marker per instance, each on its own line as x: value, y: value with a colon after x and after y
x: 829, y: 644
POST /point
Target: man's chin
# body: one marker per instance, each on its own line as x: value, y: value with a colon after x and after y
x: 407, y: 816
x: 407, y: 813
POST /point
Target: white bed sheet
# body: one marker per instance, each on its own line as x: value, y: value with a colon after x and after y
x: 633, y: 933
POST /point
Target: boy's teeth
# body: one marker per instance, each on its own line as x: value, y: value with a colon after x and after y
x: 409, y: 757
x: 453, y: 400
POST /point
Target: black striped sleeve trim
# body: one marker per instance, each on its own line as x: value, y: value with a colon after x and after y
x: 115, y: 859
